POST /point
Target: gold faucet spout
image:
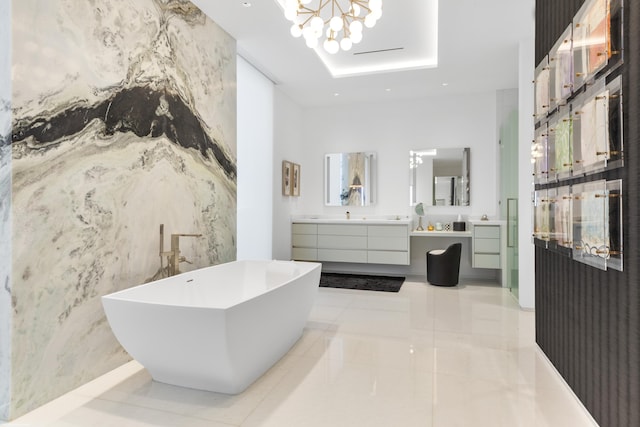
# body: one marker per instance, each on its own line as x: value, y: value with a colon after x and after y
x: 173, y: 255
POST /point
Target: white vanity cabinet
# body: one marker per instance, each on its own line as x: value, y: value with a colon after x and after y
x: 342, y: 243
x: 372, y: 242
x: 304, y: 239
x: 388, y: 244
x: 487, y: 246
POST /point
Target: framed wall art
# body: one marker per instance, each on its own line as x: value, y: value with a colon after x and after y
x: 295, y: 179
x: 597, y: 39
x: 560, y: 219
x: 614, y: 210
x: 286, y: 178
x: 578, y: 118
x: 541, y: 84
x: 561, y: 71
x: 539, y: 155
x: 560, y: 145
x: 590, y: 224
x: 541, y: 218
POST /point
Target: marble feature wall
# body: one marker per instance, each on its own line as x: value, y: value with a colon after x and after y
x: 5, y: 211
x: 124, y: 117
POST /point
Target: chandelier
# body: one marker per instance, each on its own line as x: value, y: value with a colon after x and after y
x: 343, y: 20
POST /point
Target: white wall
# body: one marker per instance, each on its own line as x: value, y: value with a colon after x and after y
x: 391, y: 130
x: 526, y: 254
x: 288, y: 145
x: 255, y: 162
x: 304, y: 135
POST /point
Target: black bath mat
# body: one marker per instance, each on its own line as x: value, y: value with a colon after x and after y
x: 361, y: 282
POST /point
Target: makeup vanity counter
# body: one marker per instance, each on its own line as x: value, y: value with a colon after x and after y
x: 488, y: 243
x: 435, y: 233
x: 369, y: 241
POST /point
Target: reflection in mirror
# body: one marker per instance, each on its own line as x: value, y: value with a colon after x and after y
x: 349, y: 179
x: 440, y: 176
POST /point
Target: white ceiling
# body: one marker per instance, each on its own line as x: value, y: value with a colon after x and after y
x: 477, y: 49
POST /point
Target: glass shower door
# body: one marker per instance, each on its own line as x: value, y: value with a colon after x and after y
x: 512, y: 246
x: 509, y: 195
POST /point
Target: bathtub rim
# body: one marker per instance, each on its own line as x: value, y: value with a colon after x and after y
x: 119, y: 295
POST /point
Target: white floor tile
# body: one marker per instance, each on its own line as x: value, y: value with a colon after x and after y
x: 425, y: 356
x: 337, y: 393
x: 103, y: 413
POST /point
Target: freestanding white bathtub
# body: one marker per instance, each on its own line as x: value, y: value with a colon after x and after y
x: 218, y: 328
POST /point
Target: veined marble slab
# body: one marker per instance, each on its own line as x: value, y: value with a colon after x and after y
x: 124, y: 119
x: 5, y: 277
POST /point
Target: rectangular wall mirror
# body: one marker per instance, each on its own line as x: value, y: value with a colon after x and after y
x: 349, y: 179
x: 440, y: 176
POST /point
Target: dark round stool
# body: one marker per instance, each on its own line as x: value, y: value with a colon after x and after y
x: 443, y: 265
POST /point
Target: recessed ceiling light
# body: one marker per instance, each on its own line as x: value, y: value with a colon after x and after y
x: 445, y: 84
x: 336, y: 94
x: 388, y: 89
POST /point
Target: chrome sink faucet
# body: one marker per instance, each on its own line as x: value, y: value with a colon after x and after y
x: 173, y: 255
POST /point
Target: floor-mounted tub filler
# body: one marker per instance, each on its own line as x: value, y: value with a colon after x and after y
x: 218, y: 328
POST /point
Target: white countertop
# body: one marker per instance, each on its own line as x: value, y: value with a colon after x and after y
x: 434, y: 233
x: 355, y: 221
x: 488, y: 222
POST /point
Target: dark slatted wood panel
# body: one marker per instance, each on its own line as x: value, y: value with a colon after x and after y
x: 551, y: 21
x: 632, y: 216
x: 588, y: 320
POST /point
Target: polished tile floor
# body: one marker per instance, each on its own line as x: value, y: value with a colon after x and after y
x: 425, y: 356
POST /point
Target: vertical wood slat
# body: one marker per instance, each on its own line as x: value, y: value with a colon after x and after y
x: 588, y: 320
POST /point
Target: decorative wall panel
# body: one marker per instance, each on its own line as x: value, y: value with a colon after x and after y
x: 591, y: 36
x: 561, y: 70
x: 590, y: 223
x: 542, y: 89
x: 588, y: 320
x: 540, y: 155
x: 123, y: 119
x: 561, y: 217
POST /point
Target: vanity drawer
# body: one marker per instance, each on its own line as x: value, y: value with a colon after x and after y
x: 388, y: 230
x: 491, y: 246
x: 486, y: 231
x: 486, y: 260
x: 304, y: 228
x: 342, y: 229
x: 339, y: 255
x: 388, y: 243
x: 305, y: 240
x: 342, y: 242
x: 356, y: 242
x: 388, y: 257
x: 304, y: 254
